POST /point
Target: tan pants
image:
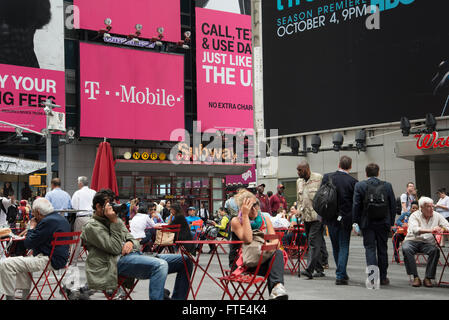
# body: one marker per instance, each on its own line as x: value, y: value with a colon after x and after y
x: 14, y: 272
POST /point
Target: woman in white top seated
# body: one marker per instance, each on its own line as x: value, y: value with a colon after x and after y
x: 142, y: 224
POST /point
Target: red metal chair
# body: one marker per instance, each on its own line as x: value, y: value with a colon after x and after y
x: 393, y: 231
x: 121, y: 285
x: 296, y: 253
x: 176, y: 228
x: 59, y: 239
x: 83, y: 253
x: 241, y: 283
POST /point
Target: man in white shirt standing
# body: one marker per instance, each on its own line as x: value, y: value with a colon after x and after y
x: 419, y: 239
x: 82, y: 200
x: 408, y: 197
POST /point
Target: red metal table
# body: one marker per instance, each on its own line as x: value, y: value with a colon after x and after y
x: 295, y: 253
x: 5, y: 242
x: 446, y: 257
x: 196, y: 263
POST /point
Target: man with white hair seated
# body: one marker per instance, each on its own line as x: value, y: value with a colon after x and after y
x: 419, y: 239
x: 14, y: 270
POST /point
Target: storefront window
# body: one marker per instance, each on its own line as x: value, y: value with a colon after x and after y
x: 290, y: 192
x: 217, y: 193
x: 195, y: 189
x: 125, y: 186
x: 205, y: 183
x: 217, y: 205
x: 217, y: 183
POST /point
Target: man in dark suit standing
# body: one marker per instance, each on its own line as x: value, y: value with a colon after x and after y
x: 374, y: 211
x: 340, y: 227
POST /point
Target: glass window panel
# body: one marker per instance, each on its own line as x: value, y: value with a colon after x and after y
x: 125, y: 186
x: 196, y: 182
x: 205, y: 183
x: 217, y: 183
x: 217, y: 204
x: 181, y: 182
x: 217, y: 194
x: 164, y: 182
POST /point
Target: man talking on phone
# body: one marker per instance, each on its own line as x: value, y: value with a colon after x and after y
x: 113, y: 251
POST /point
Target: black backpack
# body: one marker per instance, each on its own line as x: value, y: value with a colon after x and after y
x: 11, y: 215
x: 375, y: 204
x: 325, y: 202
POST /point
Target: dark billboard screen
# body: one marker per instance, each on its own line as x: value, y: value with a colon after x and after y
x: 324, y: 68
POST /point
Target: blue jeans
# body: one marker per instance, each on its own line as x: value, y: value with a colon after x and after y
x: 340, y: 239
x: 140, y: 266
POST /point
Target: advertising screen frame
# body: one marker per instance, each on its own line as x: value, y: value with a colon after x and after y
x: 180, y: 129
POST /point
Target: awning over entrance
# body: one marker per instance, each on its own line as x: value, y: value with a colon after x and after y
x: 407, y: 149
x: 190, y: 168
x: 19, y: 166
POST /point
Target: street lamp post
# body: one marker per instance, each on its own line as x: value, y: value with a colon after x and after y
x: 48, y: 109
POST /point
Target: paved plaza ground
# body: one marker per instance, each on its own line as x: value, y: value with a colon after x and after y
x: 322, y: 288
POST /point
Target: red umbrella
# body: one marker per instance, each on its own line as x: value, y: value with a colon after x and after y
x: 103, y: 176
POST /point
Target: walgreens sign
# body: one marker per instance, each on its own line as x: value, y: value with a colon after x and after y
x: 130, y: 94
x: 431, y: 141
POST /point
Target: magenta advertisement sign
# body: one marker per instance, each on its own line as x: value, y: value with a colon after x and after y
x: 22, y: 89
x: 125, y: 15
x: 224, y: 70
x: 31, y: 61
x: 130, y: 94
x: 245, y: 178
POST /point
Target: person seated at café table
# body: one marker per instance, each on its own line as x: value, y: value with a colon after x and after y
x: 142, y: 226
x: 192, y: 217
x: 401, y: 229
x: 184, y: 234
x: 156, y: 216
x: 419, y: 239
x: 114, y: 251
x: 222, y: 226
x: 250, y: 218
x: 14, y: 270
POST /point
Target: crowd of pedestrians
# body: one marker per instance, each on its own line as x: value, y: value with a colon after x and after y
x: 116, y: 242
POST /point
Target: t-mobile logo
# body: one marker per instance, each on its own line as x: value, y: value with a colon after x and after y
x: 92, y: 89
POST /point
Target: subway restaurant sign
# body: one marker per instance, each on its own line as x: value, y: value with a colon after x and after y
x: 431, y: 141
x: 185, y: 152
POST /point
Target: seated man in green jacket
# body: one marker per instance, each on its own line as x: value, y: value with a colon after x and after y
x: 113, y: 251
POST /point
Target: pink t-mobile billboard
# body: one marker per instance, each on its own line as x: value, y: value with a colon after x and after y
x: 31, y: 61
x: 126, y: 14
x: 23, y: 89
x: 130, y: 94
x: 224, y: 70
